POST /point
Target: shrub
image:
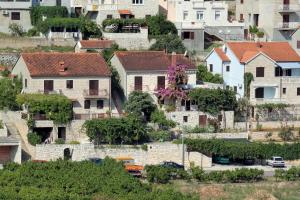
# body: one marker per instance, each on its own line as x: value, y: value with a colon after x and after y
x: 144, y: 147
x: 37, y: 13
x: 204, y: 75
x: 59, y: 141
x: 198, y: 173
x: 161, y: 136
x: 292, y: 174
x: 286, y: 133
x: 16, y: 30
x: 159, y: 118
x: 74, y: 142
x: 32, y: 32
x: 157, y: 174
x: 33, y: 138
x: 170, y: 42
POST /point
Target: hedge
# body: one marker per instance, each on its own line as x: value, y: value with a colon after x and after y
x: 44, y: 26
x: 77, y: 181
x: 241, y: 150
x: 37, y: 13
x: 292, y: 174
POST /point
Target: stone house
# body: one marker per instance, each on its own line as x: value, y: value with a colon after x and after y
x: 15, y: 11
x: 100, y: 10
x: 82, y: 77
x: 275, y: 67
x: 294, y: 40
x: 278, y: 19
x: 93, y: 45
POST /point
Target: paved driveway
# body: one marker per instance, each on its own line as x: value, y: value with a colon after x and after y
x: 269, y: 171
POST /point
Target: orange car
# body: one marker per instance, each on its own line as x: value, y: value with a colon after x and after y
x: 130, y: 166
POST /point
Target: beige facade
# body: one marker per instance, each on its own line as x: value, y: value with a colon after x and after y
x: 277, y: 18
x: 78, y: 94
x: 276, y: 89
x: 295, y: 40
x: 6, y: 18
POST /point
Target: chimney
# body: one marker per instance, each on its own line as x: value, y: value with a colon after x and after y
x: 173, y: 59
x: 62, y: 67
x: 259, y: 45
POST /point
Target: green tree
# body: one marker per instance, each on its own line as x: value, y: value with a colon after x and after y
x: 9, y: 88
x: 206, y: 76
x: 171, y: 42
x: 89, y: 28
x: 159, y: 25
x: 16, y: 30
x: 140, y: 103
x: 248, y: 78
x: 159, y: 118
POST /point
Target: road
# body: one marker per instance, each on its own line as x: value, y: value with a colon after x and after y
x: 269, y: 171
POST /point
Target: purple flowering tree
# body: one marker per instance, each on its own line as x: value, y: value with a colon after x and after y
x: 176, y: 77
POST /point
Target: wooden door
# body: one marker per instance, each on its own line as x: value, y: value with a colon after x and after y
x: 138, y: 83
x: 161, y: 82
x: 202, y: 120
x: 48, y: 86
x: 94, y: 87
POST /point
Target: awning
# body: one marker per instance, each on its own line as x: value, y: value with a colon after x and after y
x: 289, y: 65
x: 125, y: 12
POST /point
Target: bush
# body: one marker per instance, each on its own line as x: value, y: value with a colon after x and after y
x: 160, y: 136
x: 159, y: 118
x: 74, y: 142
x: 59, y: 141
x: 16, y: 30
x: 204, y: 75
x: 33, y: 32
x: 170, y: 42
x: 198, y: 129
x: 292, y: 174
x: 37, y: 13
x: 34, y: 138
x: 286, y: 133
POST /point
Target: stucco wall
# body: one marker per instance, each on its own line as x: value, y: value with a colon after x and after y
x: 156, y: 153
x: 6, y: 19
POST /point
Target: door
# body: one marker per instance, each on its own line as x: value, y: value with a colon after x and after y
x: 94, y: 87
x: 202, y: 120
x: 161, y: 82
x: 138, y: 83
x: 286, y: 20
x: 4, y: 154
x: 62, y: 133
x: 188, y: 105
x: 48, y: 86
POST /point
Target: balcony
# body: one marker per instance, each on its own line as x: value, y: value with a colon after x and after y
x: 95, y: 94
x: 258, y: 101
x: 288, y: 8
x: 49, y: 91
x: 88, y: 116
x: 286, y: 26
x: 92, y: 6
x: 290, y: 79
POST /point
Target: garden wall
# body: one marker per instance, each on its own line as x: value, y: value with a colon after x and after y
x: 156, y: 153
x: 241, y: 135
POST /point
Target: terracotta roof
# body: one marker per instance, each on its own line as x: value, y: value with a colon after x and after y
x: 65, y: 64
x: 150, y: 60
x: 96, y: 44
x: 125, y: 12
x: 222, y: 55
x: 278, y: 51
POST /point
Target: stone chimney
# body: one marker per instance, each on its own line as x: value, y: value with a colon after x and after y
x: 259, y: 45
x: 173, y: 59
x: 62, y: 67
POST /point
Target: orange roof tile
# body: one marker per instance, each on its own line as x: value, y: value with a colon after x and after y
x: 278, y: 51
x: 75, y: 64
x: 96, y: 44
x: 125, y: 12
x: 222, y: 55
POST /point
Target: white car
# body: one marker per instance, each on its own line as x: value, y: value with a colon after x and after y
x: 276, y: 161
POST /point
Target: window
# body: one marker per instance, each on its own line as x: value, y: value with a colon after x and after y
x: 100, y: 104
x: 242, y: 1
x: 217, y: 15
x: 187, y: 35
x: 260, y: 71
x: 227, y: 68
x: 259, y: 93
x: 185, y: 118
x: 109, y: 16
x: 241, y: 17
x: 69, y: 84
x: 298, y: 44
x: 235, y: 89
x: 211, y: 67
x: 200, y: 15
x: 147, y: 16
x: 161, y: 82
x: 288, y: 72
x: 15, y: 15
x: 58, y: 2
x: 25, y: 83
x: 87, y: 104
x: 283, y: 90
x: 137, y: 2
x: 278, y: 71
x: 298, y: 91
x: 185, y: 15
x: 138, y: 83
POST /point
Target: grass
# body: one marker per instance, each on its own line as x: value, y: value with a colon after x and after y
x: 265, y: 190
x: 39, y: 49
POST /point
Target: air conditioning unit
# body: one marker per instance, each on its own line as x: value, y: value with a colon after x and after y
x: 5, y: 12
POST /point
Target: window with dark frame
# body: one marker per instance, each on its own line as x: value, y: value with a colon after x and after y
x: 25, y: 83
x: 138, y: 83
x: 109, y: 16
x: 227, y: 68
x: 260, y: 72
x: 298, y: 91
x: 278, y: 71
x: 15, y: 16
x: 211, y: 67
x: 185, y: 118
x: 100, y: 104
x: 188, y: 35
x: 242, y: 1
x: 69, y: 84
x: 283, y: 90
x: 87, y: 104
x: 235, y: 89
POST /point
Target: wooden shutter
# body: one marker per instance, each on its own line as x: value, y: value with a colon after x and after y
x: 48, y: 86
x: 202, y: 120
x: 138, y: 83
x: 161, y: 82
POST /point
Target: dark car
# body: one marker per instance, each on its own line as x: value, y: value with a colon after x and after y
x: 172, y: 165
x: 224, y: 160
x: 97, y: 161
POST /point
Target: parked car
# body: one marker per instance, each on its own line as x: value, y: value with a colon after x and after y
x: 131, y: 167
x: 224, y: 160
x: 276, y: 161
x: 97, y: 161
x: 249, y: 161
x: 171, y: 164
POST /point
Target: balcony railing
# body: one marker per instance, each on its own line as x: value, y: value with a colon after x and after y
x: 267, y: 100
x: 87, y: 116
x: 95, y: 93
x: 290, y: 79
x: 287, y: 25
x: 50, y: 91
x: 288, y: 8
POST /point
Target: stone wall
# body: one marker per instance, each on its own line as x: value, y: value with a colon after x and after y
x: 156, y: 153
x: 240, y: 135
x: 16, y: 43
x: 131, y: 41
x: 8, y: 59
